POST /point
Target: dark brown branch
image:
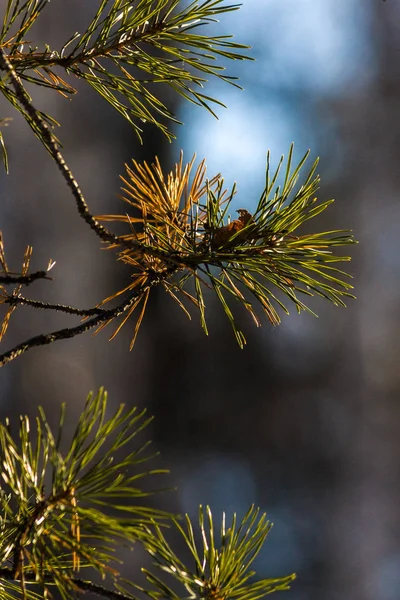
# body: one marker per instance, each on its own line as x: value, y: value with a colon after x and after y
x: 99, y: 590
x: 89, y: 312
x: 52, y: 146
x: 69, y: 332
x: 80, y: 585
x: 24, y: 279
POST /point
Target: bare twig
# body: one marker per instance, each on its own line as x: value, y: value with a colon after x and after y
x: 80, y: 584
x: 69, y: 332
x: 51, y: 144
x: 99, y: 590
x: 23, y: 279
x: 52, y: 147
x: 89, y: 312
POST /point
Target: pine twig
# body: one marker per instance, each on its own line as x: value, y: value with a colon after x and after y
x: 81, y: 585
x: 99, y: 590
x: 23, y: 279
x: 69, y: 332
x: 20, y: 300
x: 127, y: 51
x: 44, y: 339
x: 52, y: 147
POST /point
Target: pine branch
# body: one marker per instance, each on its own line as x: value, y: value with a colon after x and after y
x: 78, y: 585
x: 219, y: 561
x: 149, y: 42
x: 182, y: 237
x: 82, y: 312
x: 99, y: 590
x: 10, y: 279
x: 41, y: 128
x: 238, y: 259
x: 44, y: 339
x: 180, y: 234
x: 52, y: 518
x: 55, y: 518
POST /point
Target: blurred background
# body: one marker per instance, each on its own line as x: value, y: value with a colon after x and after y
x: 305, y: 421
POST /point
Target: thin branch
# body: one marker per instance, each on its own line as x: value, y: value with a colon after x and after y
x: 89, y: 312
x: 23, y: 279
x: 69, y: 332
x: 81, y: 585
x: 88, y: 586
x: 52, y: 146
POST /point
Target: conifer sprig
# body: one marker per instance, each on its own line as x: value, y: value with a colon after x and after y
x: 182, y: 230
x: 54, y: 520
x: 64, y: 510
x: 220, y: 561
x: 19, y: 16
x: 128, y: 49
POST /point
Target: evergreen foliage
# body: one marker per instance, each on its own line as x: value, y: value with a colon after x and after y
x: 148, y: 43
x: 65, y: 512
x: 182, y: 229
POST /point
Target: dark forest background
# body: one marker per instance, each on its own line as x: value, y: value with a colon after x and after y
x: 305, y: 421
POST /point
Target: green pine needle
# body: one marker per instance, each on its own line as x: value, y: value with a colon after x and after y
x: 220, y: 560
x: 126, y: 52
x: 55, y: 517
x: 257, y: 260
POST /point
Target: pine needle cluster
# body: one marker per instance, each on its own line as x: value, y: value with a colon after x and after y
x: 66, y: 509
x: 183, y: 232
x: 180, y: 231
x: 127, y: 51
